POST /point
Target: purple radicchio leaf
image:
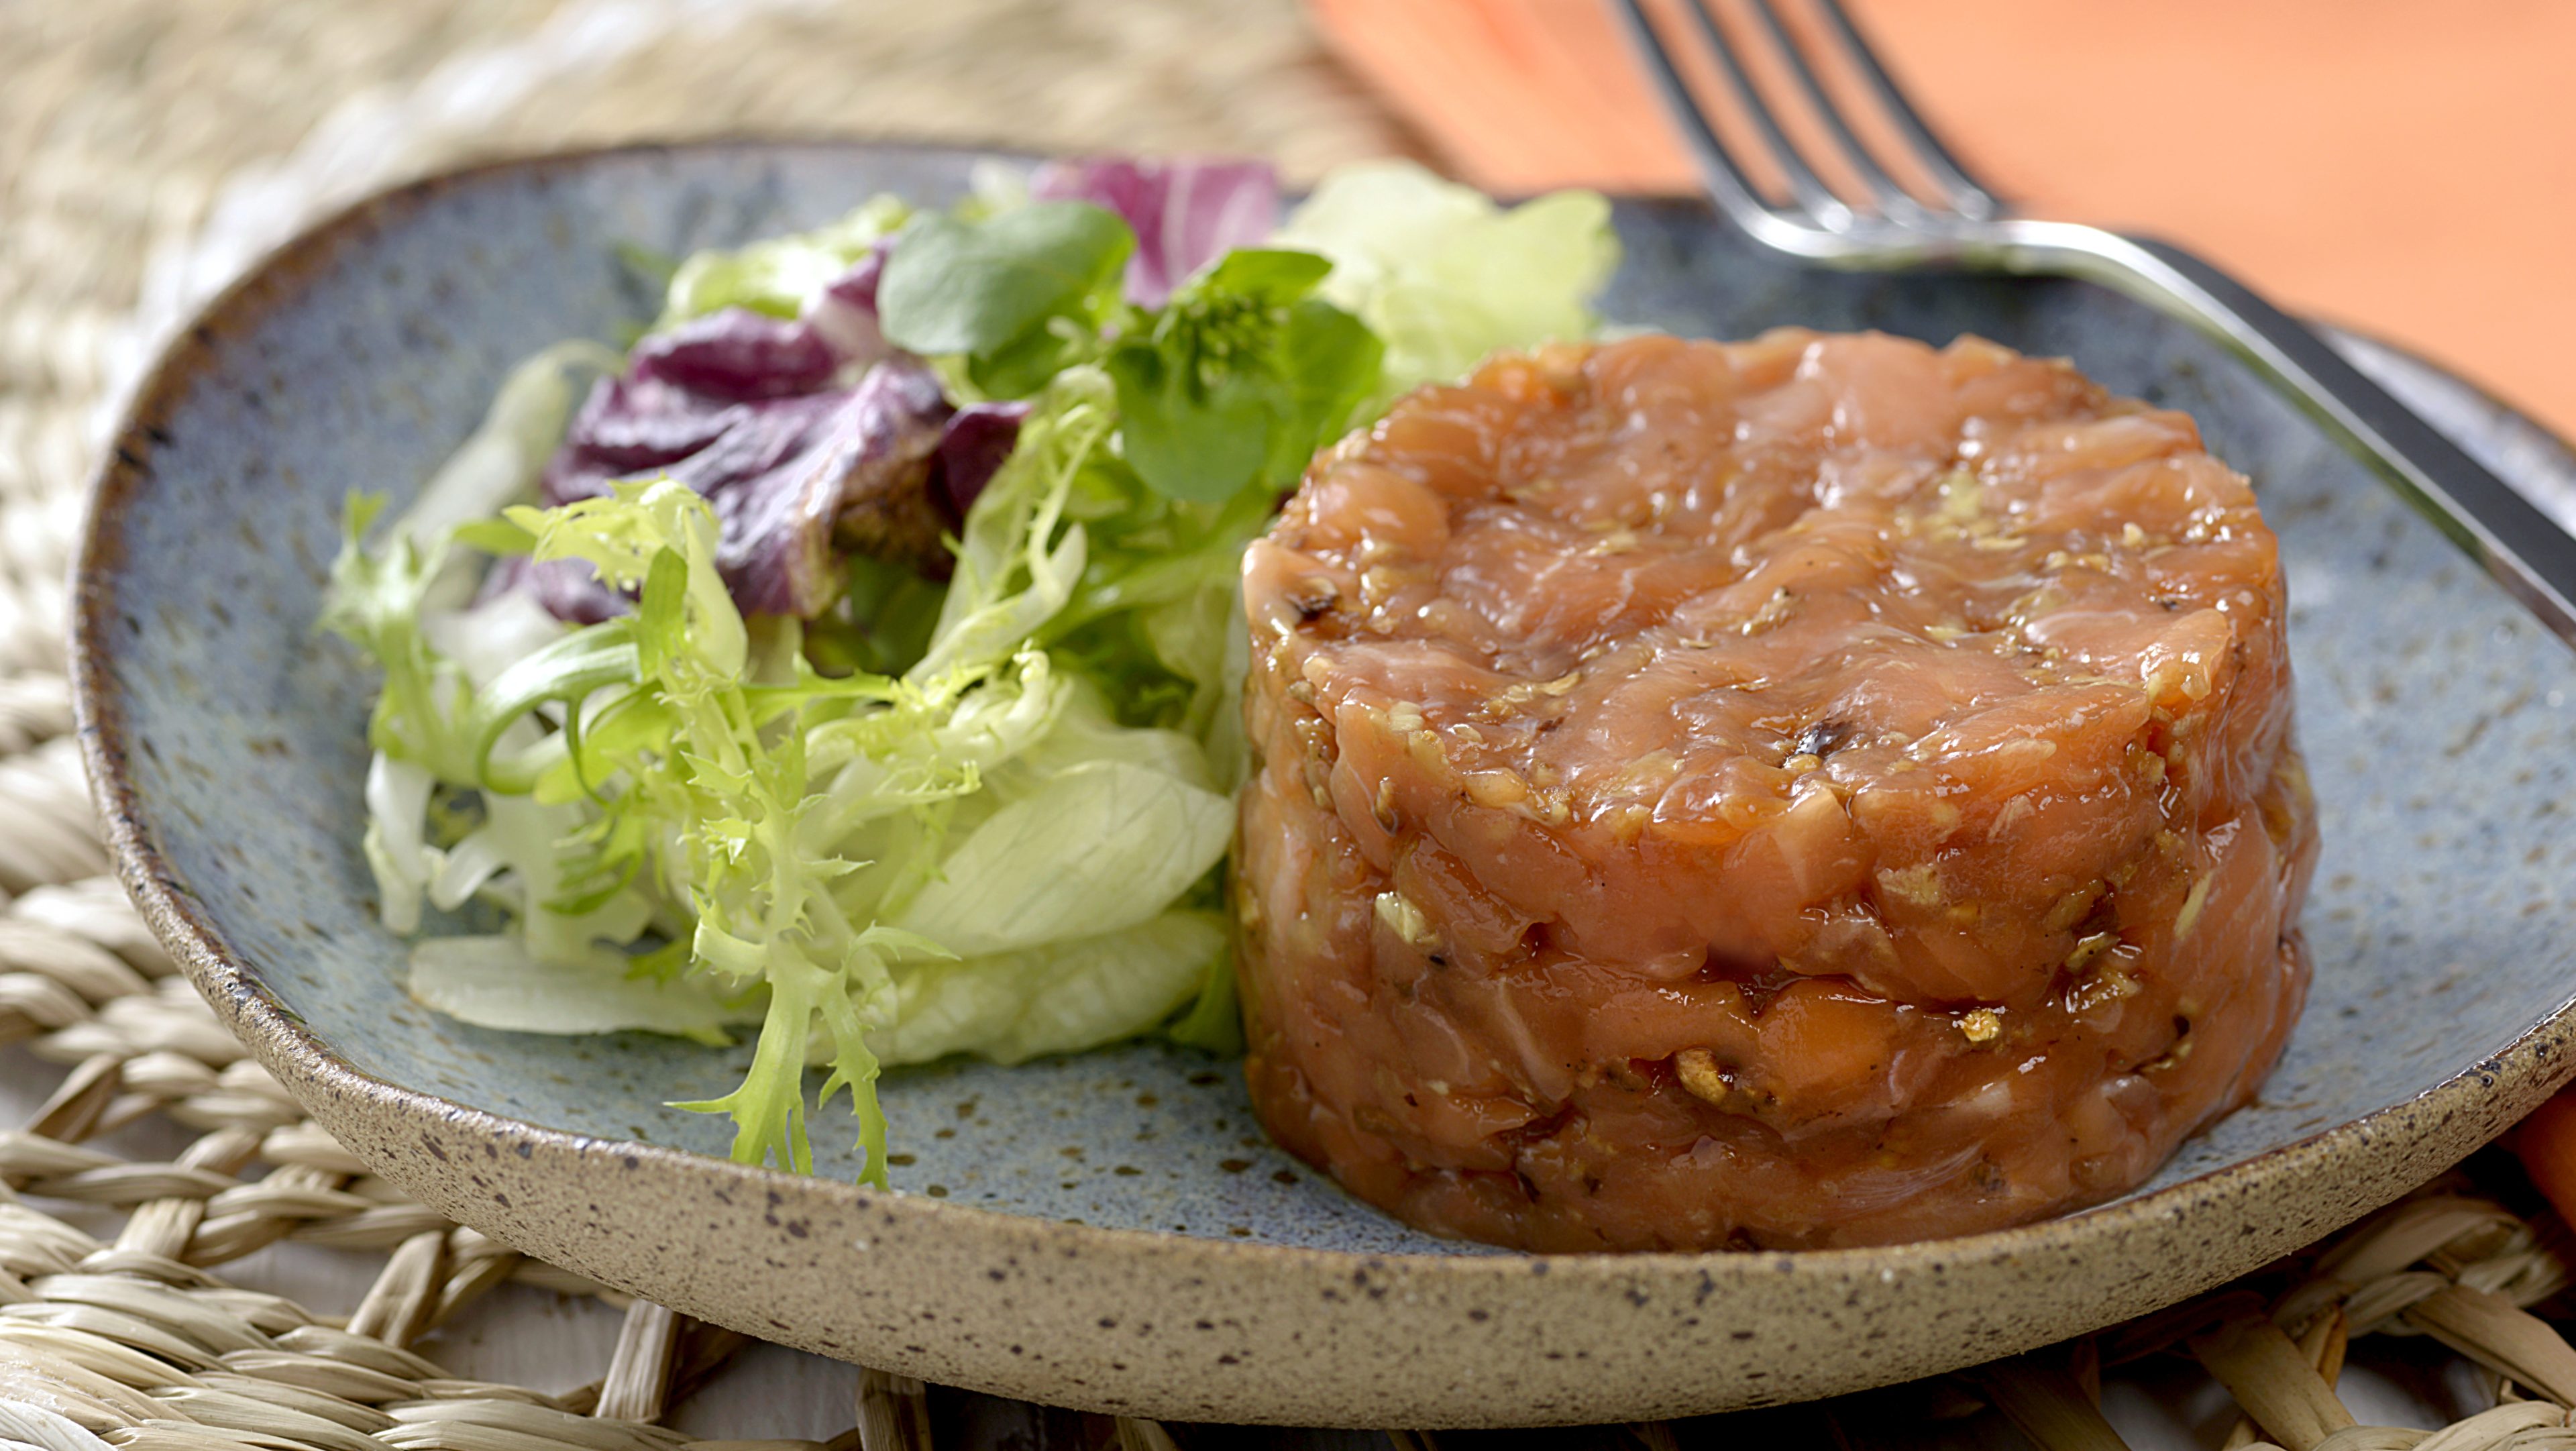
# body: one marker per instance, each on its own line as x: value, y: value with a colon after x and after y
x: 628, y: 424
x: 1185, y: 212
x: 786, y: 476
x: 971, y: 451
x: 735, y: 353
x: 629, y: 430
x: 844, y: 313
x: 858, y: 473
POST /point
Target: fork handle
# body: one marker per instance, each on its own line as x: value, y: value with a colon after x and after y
x: 2523, y: 548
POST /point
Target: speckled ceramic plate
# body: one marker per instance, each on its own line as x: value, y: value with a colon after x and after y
x: 1112, y: 1231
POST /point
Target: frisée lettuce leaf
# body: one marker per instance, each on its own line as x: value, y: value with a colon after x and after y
x: 778, y: 276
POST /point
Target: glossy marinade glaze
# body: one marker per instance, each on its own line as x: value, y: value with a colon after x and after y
x: 1814, y: 791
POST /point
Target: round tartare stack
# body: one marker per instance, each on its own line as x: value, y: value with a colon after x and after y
x: 1822, y: 790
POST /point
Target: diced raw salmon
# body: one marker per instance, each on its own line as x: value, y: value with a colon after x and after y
x: 1813, y: 791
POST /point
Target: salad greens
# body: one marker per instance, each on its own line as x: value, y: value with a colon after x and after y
x: 1242, y: 376
x: 859, y: 660
x: 782, y: 275
x: 976, y: 285
x: 1444, y: 275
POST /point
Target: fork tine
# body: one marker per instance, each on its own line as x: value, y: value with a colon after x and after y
x: 1890, y: 195
x: 1804, y: 184
x: 1727, y: 183
x: 1953, y: 178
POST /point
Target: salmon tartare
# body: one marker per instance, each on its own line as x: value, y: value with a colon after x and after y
x: 1821, y: 790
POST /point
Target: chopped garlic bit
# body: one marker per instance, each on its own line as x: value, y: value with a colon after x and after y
x: 1778, y: 607
x: 1496, y: 788
x: 2074, y: 906
x: 1404, y: 919
x: 2089, y: 948
x: 1963, y: 498
x: 1424, y: 747
x: 2009, y: 819
x: 1981, y: 1025
x: 1919, y: 884
x: 1697, y: 1069
x: 2189, y: 916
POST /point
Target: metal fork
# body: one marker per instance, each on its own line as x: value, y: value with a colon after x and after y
x: 1948, y: 219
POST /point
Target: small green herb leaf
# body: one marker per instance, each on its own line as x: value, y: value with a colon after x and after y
x: 1240, y: 378
x: 1187, y: 439
x: 1266, y: 276
x: 1021, y: 367
x: 1332, y: 362
x: 960, y: 286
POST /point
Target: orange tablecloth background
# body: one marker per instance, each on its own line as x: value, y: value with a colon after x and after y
x: 2406, y: 166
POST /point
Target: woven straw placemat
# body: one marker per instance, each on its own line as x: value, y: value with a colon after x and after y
x: 151, y: 148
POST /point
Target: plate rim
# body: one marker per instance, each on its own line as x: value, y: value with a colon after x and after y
x: 2514, y: 1077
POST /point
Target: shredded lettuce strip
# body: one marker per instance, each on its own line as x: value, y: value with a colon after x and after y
x: 1006, y: 844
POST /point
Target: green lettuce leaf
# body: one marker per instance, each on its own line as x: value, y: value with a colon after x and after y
x: 1444, y: 275
x: 676, y: 770
x: 1059, y: 997
x: 494, y: 981
x: 1099, y: 847
x: 776, y: 276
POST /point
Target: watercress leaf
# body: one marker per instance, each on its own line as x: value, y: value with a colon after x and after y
x: 1191, y: 437
x: 1267, y: 277
x: 961, y: 286
x: 1186, y: 212
x: 1241, y: 377
x: 1021, y: 367
x: 1332, y: 363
